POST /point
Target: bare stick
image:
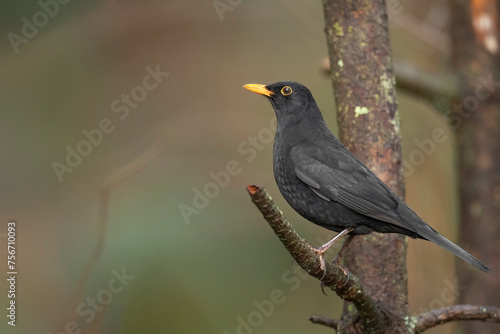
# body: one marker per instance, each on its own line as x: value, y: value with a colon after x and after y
x: 322, y: 320
x: 443, y: 315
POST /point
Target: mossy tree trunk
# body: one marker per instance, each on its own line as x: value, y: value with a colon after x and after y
x: 367, y: 112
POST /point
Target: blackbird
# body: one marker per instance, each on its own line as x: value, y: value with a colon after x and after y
x: 329, y: 186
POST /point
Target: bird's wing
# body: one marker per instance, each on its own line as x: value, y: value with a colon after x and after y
x: 337, y: 175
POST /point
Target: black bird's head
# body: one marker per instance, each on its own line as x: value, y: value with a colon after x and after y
x: 290, y: 99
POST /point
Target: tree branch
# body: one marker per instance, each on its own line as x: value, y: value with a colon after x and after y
x: 346, y: 285
x: 322, y: 320
x: 428, y: 33
x: 438, y: 89
x: 454, y: 313
x: 426, y: 85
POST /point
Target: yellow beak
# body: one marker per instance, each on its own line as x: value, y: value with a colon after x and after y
x: 259, y: 89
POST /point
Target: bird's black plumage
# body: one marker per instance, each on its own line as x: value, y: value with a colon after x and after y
x: 329, y: 186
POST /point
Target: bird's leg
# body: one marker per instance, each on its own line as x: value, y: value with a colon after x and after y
x: 321, y: 250
x: 337, y: 258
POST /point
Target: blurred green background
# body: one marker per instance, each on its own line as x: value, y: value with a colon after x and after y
x: 208, y: 274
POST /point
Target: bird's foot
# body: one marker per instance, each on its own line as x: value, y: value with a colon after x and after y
x: 321, y: 251
x: 346, y: 272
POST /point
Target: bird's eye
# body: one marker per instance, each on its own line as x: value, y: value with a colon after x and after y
x: 286, y: 90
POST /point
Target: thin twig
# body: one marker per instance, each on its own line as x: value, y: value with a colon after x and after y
x: 110, y: 183
x: 454, y: 313
x: 430, y: 34
x: 322, y: 320
x: 345, y: 284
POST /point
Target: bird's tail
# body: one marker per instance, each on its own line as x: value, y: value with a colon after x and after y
x: 432, y: 235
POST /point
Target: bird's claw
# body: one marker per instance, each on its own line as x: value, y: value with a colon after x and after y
x: 346, y: 272
x: 336, y: 263
x: 322, y: 263
x: 322, y: 266
x: 323, y: 288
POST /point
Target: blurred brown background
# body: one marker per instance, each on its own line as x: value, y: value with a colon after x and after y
x: 204, y: 275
